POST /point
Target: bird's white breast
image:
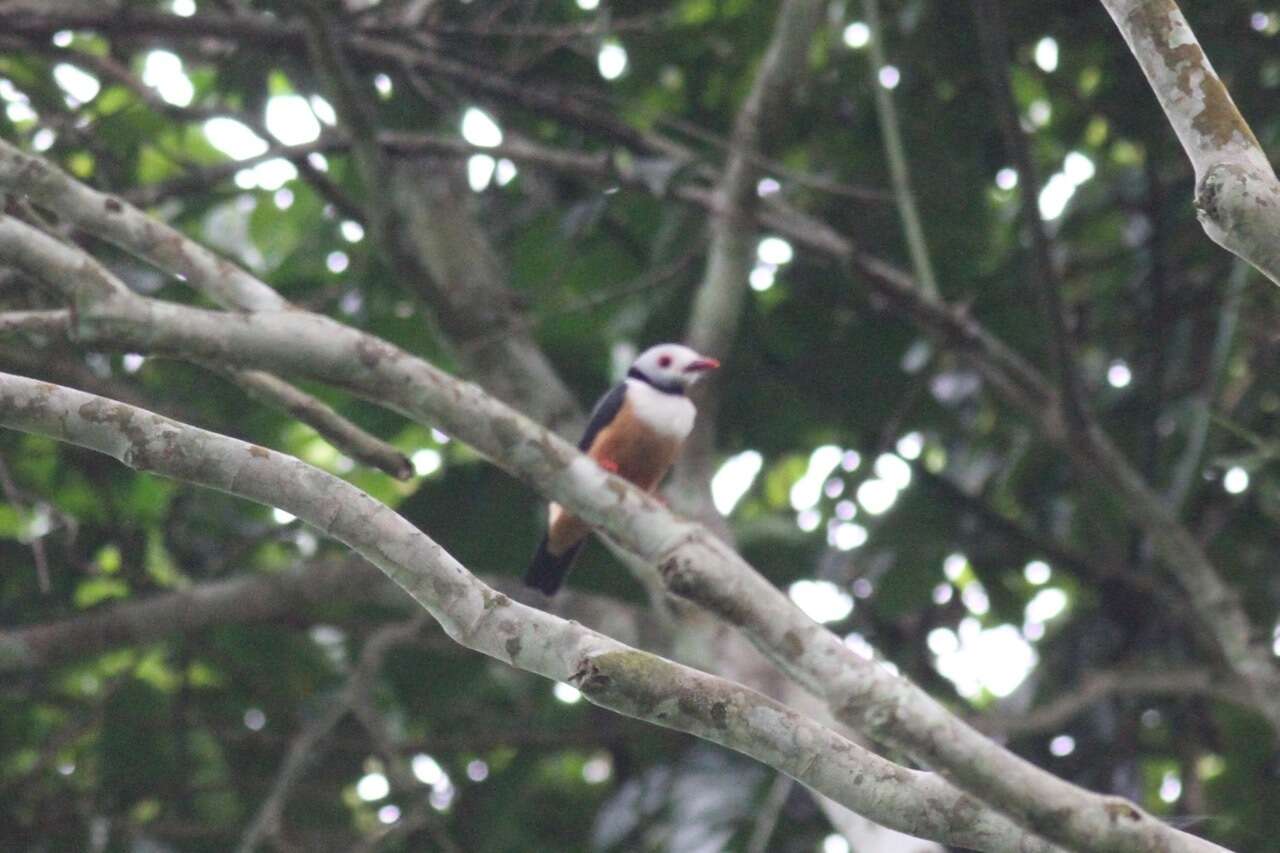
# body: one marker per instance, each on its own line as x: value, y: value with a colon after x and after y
x: 667, y: 414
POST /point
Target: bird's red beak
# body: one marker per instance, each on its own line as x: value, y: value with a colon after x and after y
x: 701, y: 365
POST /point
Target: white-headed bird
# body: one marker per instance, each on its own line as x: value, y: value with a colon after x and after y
x: 636, y: 431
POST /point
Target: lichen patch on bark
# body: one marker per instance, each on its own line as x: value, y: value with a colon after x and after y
x: 1218, y: 120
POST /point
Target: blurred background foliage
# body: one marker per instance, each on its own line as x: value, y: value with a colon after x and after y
x: 865, y: 470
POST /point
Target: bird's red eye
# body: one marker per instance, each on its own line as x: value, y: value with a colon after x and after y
x: 664, y: 361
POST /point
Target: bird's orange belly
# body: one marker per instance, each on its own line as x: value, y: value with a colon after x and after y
x: 640, y: 454
x: 631, y: 448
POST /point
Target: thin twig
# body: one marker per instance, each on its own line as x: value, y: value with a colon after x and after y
x: 326, y: 52
x: 768, y: 812
x: 54, y: 323
x: 993, y: 39
x: 307, y: 746
x: 362, y: 446
x: 895, y: 153
x: 1096, y: 686
x: 37, y: 542
x: 1191, y: 461
x: 648, y: 280
x: 592, y: 28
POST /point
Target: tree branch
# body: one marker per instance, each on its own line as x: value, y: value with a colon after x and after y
x: 609, y: 673
x: 320, y: 416
x: 1237, y: 194
x: 1097, y: 686
x: 896, y: 156
x: 124, y: 225
x: 56, y: 323
x: 327, y: 58
x: 1191, y: 461
x: 244, y: 599
x: 768, y: 812
x: 993, y: 38
x: 307, y: 746
x: 695, y: 564
x: 717, y: 306
x: 286, y: 596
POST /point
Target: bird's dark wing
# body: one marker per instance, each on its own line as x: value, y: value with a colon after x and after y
x: 548, y: 568
x: 604, y: 412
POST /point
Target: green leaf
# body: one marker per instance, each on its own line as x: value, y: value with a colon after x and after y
x: 97, y: 590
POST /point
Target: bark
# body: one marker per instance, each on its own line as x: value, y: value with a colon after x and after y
x: 1237, y: 194
x: 695, y: 564
x: 609, y: 673
x: 119, y: 222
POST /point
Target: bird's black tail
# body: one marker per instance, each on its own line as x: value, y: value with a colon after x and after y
x: 547, y: 571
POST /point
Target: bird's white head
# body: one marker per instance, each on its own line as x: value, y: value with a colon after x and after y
x: 671, y: 367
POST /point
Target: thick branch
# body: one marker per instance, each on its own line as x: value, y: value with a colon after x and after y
x: 1237, y: 194
x: 119, y: 222
x: 695, y: 563
x: 609, y: 673
x: 225, y: 283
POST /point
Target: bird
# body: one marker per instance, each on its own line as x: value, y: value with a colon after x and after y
x: 636, y: 431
